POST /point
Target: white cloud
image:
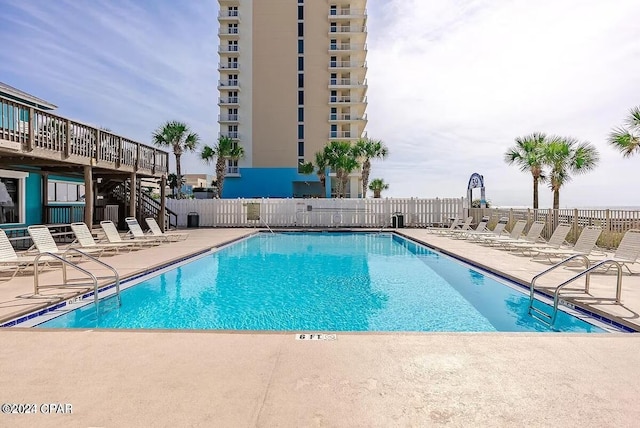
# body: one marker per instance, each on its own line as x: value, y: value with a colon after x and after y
x: 458, y: 81
x: 451, y: 82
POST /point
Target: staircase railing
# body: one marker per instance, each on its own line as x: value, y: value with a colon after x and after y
x: 146, y: 206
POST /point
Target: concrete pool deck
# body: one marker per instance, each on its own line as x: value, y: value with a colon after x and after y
x: 209, y: 378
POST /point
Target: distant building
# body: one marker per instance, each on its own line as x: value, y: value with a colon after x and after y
x: 292, y: 79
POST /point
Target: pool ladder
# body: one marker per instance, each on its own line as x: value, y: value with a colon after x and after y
x: 73, y: 282
x: 550, y: 318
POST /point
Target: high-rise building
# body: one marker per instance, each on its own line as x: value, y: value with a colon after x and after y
x: 292, y: 79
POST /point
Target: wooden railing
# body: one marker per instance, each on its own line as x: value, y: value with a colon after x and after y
x: 63, y: 214
x: 146, y: 206
x: 29, y: 129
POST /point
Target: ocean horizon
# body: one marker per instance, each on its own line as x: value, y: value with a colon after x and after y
x: 601, y: 207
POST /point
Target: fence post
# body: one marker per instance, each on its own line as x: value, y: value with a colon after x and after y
x: 609, y: 239
x: 510, y: 218
x: 575, y: 225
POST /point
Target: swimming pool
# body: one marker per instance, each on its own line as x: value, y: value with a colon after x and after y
x: 321, y: 282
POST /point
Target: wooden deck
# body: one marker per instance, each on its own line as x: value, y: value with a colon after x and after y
x: 33, y: 137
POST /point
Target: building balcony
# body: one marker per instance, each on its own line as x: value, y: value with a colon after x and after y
x: 228, y: 49
x: 228, y: 101
x: 232, y: 171
x: 347, y: 99
x: 228, y: 32
x: 227, y: 118
x: 230, y: 134
x: 347, y: 118
x: 230, y: 84
x: 347, y: 83
x: 346, y: 65
x: 229, y: 66
x: 349, y: 14
x: 347, y: 47
x: 346, y: 135
x: 347, y: 30
x: 228, y: 15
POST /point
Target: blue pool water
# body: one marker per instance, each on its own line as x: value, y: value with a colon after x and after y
x: 321, y: 282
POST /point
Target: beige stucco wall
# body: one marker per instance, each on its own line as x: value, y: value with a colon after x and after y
x: 268, y: 77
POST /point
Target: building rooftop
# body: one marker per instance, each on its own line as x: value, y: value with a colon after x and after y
x: 18, y: 95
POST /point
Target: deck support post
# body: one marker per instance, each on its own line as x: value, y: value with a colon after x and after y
x: 88, y: 196
x: 163, y: 203
x: 132, y: 195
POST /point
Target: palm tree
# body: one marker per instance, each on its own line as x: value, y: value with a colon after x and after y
x: 528, y: 154
x: 368, y: 149
x: 378, y: 185
x: 342, y: 158
x: 179, y: 137
x: 627, y: 140
x: 566, y: 155
x: 172, y: 181
x: 319, y: 166
x: 226, y: 149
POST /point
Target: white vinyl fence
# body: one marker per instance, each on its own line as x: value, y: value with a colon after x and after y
x: 316, y: 212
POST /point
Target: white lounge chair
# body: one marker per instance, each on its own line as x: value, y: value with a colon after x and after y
x: 154, y: 227
x: 556, y: 240
x: 515, y: 234
x: 12, y: 261
x: 85, y: 239
x: 498, y: 230
x: 531, y: 237
x: 584, y: 245
x: 43, y: 242
x: 113, y: 236
x: 466, y: 226
x: 138, y: 234
x: 626, y: 254
x: 463, y: 234
x: 455, y: 224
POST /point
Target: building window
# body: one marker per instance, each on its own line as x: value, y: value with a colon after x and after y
x: 12, y: 197
x: 10, y: 200
x: 300, y: 63
x: 300, y: 80
x: 300, y: 164
x: 300, y: 29
x: 300, y: 131
x: 301, y: 12
x: 300, y: 148
x: 300, y: 97
x: 300, y: 46
x: 64, y: 191
x: 300, y: 114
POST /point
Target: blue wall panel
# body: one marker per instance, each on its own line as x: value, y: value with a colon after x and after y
x: 264, y: 183
x: 33, y: 200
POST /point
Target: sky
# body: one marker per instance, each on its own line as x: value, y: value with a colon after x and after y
x: 452, y: 83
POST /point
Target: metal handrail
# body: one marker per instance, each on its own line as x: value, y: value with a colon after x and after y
x: 65, y: 262
x: 557, y: 265
x: 100, y: 262
x: 265, y: 223
x: 556, y: 296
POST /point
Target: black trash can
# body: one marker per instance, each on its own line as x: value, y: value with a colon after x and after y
x: 397, y: 220
x: 193, y: 219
